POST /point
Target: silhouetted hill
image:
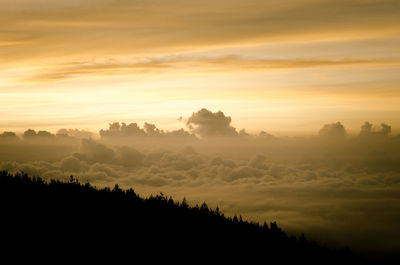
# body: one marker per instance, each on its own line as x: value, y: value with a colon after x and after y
x: 70, y: 218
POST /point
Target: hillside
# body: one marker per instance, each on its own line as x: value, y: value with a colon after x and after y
x: 71, y: 215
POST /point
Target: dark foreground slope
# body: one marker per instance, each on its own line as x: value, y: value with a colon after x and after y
x: 69, y: 217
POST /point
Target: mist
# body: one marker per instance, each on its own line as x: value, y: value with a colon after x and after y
x: 335, y: 187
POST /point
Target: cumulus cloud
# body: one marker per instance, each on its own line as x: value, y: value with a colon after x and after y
x: 206, y: 123
x: 149, y: 131
x: 117, y: 129
x: 74, y: 133
x: 73, y: 164
x: 333, y: 130
x: 93, y: 151
x: 150, y: 128
x: 313, y: 185
x: 217, y: 161
x: 40, y: 135
x: 66, y: 136
x: 243, y: 172
x: 29, y: 134
x: 9, y: 137
x: 128, y: 156
x: 109, y: 170
x: 307, y: 194
x: 96, y: 152
x: 368, y: 129
x: 148, y: 180
x: 258, y: 161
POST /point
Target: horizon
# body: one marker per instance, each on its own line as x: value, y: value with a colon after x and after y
x: 278, y: 110
x: 180, y: 124
x: 291, y: 65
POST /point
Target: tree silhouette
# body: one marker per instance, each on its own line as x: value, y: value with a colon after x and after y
x: 71, y: 214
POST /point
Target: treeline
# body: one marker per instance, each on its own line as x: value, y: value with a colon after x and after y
x: 58, y: 215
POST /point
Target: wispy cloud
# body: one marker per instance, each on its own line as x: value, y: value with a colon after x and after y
x: 227, y: 63
x: 102, y: 27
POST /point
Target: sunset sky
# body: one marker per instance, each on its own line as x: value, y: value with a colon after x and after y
x: 284, y: 66
x: 154, y: 95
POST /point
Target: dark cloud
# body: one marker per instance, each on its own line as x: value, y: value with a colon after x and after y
x: 40, y: 135
x: 179, y: 161
x: 304, y: 195
x: 63, y: 136
x: 216, y: 161
x: 206, y: 123
x: 128, y: 156
x: 96, y: 152
x: 75, y: 133
x: 368, y: 130
x: 149, y: 131
x: 244, y: 172
x: 123, y: 129
x: 336, y: 130
x: 73, y: 164
x: 93, y: 151
x: 278, y: 170
x: 385, y: 129
x: 149, y: 180
x: 29, y: 134
x: 109, y: 170
x: 258, y: 161
x: 265, y: 135
x: 9, y: 137
x: 336, y: 188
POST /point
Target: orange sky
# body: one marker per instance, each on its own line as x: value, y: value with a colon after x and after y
x: 281, y: 66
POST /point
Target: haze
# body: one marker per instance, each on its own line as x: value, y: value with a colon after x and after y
x: 276, y: 110
x: 338, y: 188
x: 286, y: 66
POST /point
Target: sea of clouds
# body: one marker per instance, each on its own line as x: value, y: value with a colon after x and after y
x: 338, y: 188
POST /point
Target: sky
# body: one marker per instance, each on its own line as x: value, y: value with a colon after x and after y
x: 282, y: 66
x: 315, y: 68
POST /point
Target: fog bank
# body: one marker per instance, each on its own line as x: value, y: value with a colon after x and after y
x: 339, y: 188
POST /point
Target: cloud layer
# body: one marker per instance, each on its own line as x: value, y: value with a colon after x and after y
x: 176, y: 23
x: 208, y: 124
x: 336, y: 198
x: 339, y: 188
